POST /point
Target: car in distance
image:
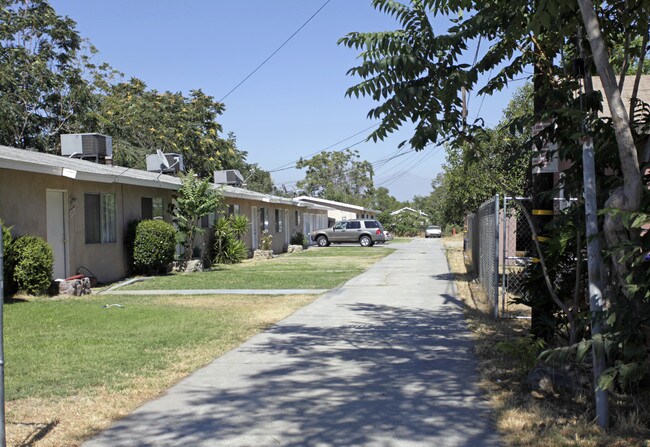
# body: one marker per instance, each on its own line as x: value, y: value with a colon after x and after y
x: 367, y: 232
x: 433, y: 231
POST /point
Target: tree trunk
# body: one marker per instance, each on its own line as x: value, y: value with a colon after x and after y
x: 627, y: 198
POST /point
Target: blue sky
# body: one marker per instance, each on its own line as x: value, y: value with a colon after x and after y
x: 294, y: 105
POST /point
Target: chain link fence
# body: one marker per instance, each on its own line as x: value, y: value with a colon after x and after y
x: 498, y: 247
x: 517, y: 253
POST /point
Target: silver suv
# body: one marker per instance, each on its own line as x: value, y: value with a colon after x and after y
x: 364, y: 231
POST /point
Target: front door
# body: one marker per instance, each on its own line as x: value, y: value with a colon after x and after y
x: 56, y: 211
x: 255, y: 228
x: 287, y: 228
x: 306, y: 225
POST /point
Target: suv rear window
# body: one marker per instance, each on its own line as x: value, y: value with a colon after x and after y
x: 371, y: 224
x: 354, y: 225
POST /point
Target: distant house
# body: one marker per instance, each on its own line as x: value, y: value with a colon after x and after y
x: 406, y: 209
x: 337, y: 211
x: 83, y: 208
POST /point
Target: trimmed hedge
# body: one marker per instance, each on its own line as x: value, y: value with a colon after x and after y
x: 8, y: 272
x: 33, y: 261
x: 154, y: 246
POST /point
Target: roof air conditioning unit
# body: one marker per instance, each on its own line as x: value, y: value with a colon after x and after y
x: 230, y: 177
x: 87, y: 146
x: 165, y: 163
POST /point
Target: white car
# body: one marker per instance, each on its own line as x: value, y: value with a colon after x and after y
x: 433, y: 231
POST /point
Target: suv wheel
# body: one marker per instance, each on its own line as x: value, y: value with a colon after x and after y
x: 322, y: 241
x: 365, y: 241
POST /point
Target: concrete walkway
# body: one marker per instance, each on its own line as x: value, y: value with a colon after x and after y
x: 385, y: 360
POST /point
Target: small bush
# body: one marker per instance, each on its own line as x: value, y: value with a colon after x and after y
x: 154, y: 246
x: 129, y: 241
x: 8, y: 264
x: 228, y: 248
x: 298, y: 239
x: 266, y: 241
x: 33, y: 262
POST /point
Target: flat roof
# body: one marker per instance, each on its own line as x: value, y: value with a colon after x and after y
x: 78, y: 169
x: 336, y: 205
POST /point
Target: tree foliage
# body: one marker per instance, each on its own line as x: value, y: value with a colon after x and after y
x: 142, y: 120
x: 338, y: 176
x: 417, y: 73
x: 196, y: 198
x: 474, y: 173
x: 228, y: 246
x: 44, y: 75
x: 50, y: 85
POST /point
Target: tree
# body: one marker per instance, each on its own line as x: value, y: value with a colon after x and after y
x: 474, y: 173
x: 381, y: 200
x: 337, y: 176
x: 196, y: 198
x: 45, y: 75
x: 142, y: 120
x: 417, y: 74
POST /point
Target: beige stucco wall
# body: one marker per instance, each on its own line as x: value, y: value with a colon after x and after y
x: 280, y: 239
x: 23, y: 206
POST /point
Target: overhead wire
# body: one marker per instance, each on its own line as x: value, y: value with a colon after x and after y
x: 398, y: 175
x: 292, y: 164
x: 274, y: 52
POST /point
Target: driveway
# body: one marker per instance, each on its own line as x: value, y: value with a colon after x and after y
x: 385, y: 360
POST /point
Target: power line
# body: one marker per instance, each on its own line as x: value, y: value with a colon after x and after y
x: 416, y: 161
x: 379, y: 164
x: 292, y: 164
x: 273, y: 54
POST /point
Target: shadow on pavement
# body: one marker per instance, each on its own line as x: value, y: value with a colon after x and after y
x: 399, y: 374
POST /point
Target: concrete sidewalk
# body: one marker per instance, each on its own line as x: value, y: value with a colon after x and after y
x: 385, y: 360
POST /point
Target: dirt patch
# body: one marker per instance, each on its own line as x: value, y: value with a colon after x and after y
x: 523, y: 417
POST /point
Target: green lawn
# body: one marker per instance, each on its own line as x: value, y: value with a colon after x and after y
x: 315, y: 268
x: 63, y: 347
x: 75, y: 365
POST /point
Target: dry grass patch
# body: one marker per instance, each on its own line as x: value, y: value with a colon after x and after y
x: 60, y: 420
x: 525, y: 418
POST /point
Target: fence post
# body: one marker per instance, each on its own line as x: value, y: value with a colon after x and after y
x: 496, y: 256
x: 504, y: 235
x: 3, y: 438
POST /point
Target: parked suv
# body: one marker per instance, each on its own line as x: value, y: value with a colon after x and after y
x: 364, y: 231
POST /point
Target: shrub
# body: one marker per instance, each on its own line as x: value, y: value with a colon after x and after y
x: 33, y: 262
x: 228, y: 248
x: 129, y: 241
x: 266, y: 240
x: 298, y: 239
x: 154, y: 246
x: 8, y: 263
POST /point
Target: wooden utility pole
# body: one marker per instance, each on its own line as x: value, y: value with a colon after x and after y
x: 542, y: 212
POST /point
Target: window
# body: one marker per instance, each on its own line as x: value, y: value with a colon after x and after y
x: 233, y: 210
x: 279, y: 221
x: 355, y: 225
x: 152, y: 208
x: 372, y: 224
x: 99, y: 218
x: 297, y: 218
x: 146, y: 203
x: 264, y: 220
x: 157, y: 208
